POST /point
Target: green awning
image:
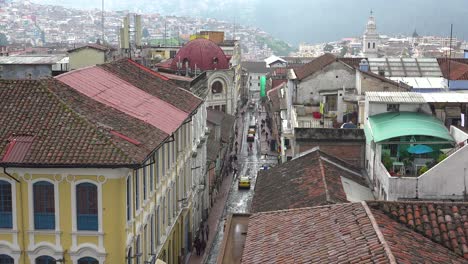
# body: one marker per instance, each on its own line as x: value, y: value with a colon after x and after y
x: 398, y: 124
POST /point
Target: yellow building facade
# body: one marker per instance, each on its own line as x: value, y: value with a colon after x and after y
x: 88, y: 185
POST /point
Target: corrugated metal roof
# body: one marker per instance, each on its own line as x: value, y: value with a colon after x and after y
x: 446, y: 97
x: 17, y: 148
x: 406, y: 67
x: 39, y: 59
x: 422, y: 82
x: 112, y: 91
x: 395, y: 97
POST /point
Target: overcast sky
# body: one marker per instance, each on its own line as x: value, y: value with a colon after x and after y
x: 311, y: 21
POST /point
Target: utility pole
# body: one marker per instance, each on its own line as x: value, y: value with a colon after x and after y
x: 165, y: 31
x: 102, y: 22
x: 450, y: 56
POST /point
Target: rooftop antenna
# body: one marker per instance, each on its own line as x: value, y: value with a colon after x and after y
x: 450, y: 56
x: 102, y: 22
x: 165, y: 30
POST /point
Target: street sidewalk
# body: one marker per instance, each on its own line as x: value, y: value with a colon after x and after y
x: 216, y: 212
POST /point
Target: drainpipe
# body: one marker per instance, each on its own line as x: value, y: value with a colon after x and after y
x: 22, y: 214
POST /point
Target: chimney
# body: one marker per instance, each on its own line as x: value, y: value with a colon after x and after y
x: 364, y: 65
x: 382, y: 71
x: 465, y: 54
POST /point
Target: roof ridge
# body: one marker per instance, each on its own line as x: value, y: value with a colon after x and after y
x: 81, y: 117
x: 302, y: 208
x: 380, y: 236
x: 324, y: 178
x: 418, y: 202
x: 164, y: 78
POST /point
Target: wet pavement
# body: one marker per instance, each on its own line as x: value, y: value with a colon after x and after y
x: 248, y: 164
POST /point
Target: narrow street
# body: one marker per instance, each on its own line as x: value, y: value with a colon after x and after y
x: 249, y: 163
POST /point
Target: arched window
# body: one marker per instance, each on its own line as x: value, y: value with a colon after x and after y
x: 217, y: 87
x: 45, y: 260
x: 5, y: 259
x: 44, y: 205
x: 88, y: 260
x: 129, y: 256
x: 138, y: 250
x: 373, y: 45
x: 368, y: 45
x: 87, y: 206
x: 5, y: 205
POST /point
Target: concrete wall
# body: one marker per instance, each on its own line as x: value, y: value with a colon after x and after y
x: 11, y: 72
x: 379, y: 108
x: 458, y: 135
x: 403, y: 187
x: 332, y: 78
x: 86, y: 57
x: 329, y: 134
x: 446, y: 180
x: 253, y: 84
x: 366, y: 83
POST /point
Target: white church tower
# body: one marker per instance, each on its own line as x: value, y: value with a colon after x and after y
x: 370, y: 40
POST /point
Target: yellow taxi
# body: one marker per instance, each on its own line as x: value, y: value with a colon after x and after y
x: 244, y: 182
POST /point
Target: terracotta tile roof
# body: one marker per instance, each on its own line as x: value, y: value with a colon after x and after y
x: 136, y: 138
x: 311, y: 180
x: 61, y: 136
x: 153, y: 83
x: 341, y: 233
x: 277, y: 82
x: 92, y: 46
x: 408, y: 246
x: 353, y: 62
x: 442, y: 222
x: 274, y: 97
x: 111, y: 90
x: 458, y: 70
x: 316, y: 65
x: 329, y: 234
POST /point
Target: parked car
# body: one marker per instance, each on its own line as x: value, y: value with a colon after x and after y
x: 244, y: 182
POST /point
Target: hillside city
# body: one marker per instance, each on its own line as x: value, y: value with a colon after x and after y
x: 179, y: 140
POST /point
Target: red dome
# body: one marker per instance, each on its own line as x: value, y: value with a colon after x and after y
x: 201, y: 53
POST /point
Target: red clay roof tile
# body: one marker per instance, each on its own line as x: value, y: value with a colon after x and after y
x: 311, y: 180
x: 315, y: 65
x: 61, y: 136
x: 153, y: 83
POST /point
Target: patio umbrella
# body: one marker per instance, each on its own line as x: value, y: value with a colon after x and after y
x: 420, y: 149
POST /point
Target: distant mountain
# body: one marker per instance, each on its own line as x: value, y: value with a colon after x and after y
x: 309, y: 20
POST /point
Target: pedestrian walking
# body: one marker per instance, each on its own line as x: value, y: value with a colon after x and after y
x: 203, y: 245
x: 207, y: 231
x: 266, y: 135
x: 197, y: 246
